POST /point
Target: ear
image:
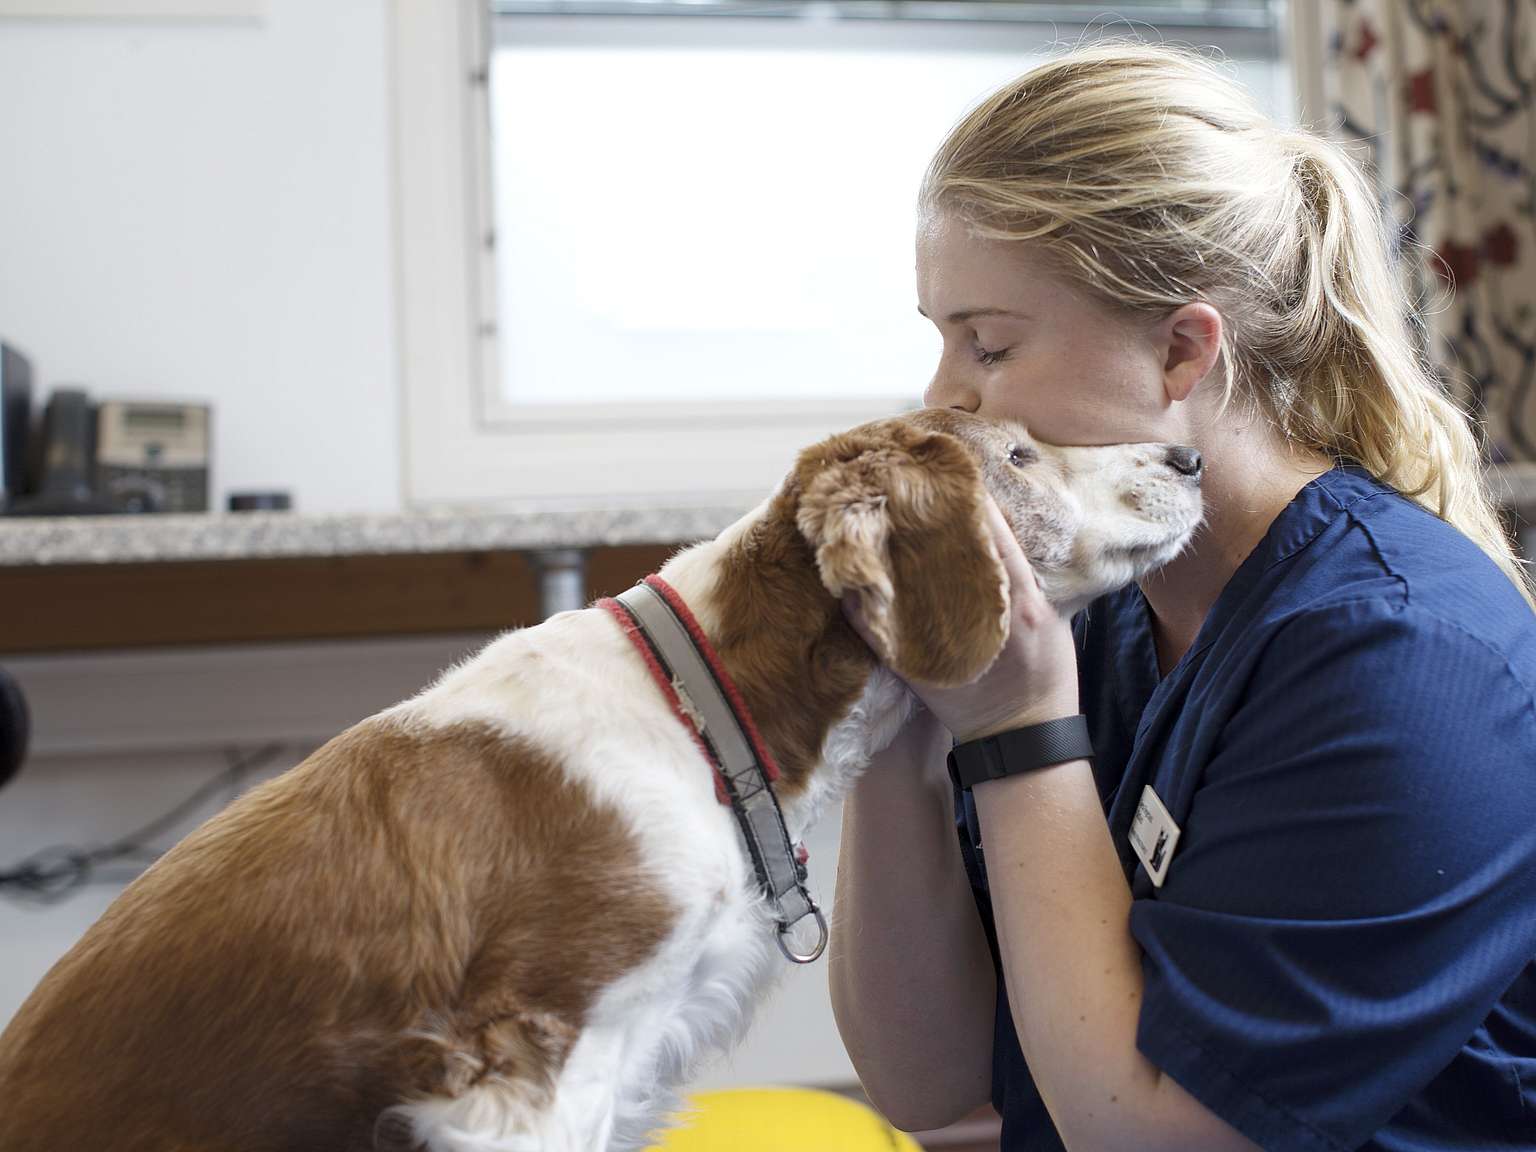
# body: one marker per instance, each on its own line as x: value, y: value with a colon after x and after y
x: 1191, y: 338
x: 896, y: 517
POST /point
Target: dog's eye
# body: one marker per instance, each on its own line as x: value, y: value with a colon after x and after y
x: 1019, y: 456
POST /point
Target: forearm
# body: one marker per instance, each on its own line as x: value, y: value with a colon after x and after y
x: 1062, y: 909
x: 911, y: 976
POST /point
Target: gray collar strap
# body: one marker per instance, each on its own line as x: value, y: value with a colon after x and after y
x: 723, y: 733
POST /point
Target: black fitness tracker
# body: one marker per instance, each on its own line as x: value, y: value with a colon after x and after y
x: 1020, y: 750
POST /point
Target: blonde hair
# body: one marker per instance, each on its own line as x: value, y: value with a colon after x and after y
x: 1151, y: 179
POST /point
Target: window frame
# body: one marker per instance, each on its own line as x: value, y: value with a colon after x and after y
x: 463, y: 444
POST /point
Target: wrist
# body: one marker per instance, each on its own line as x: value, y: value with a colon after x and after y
x: 1025, y: 749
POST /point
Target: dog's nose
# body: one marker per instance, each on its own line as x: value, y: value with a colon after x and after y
x: 1184, y: 461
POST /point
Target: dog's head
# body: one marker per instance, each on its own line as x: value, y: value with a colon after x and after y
x: 895, y: 515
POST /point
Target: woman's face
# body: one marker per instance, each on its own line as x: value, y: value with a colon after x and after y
x: 1019, y: 343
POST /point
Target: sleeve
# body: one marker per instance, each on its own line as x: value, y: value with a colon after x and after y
x: 1354, y: 886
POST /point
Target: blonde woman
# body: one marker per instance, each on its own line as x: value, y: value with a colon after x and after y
x: 1290, y: 902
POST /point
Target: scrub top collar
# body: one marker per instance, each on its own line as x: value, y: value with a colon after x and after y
x: 1145, y: 698
x: 1311, y: 510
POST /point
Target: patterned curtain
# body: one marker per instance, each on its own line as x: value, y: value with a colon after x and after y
x: 1437, y: 97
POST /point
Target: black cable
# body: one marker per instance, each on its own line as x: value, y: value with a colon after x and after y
x: 51, y: 874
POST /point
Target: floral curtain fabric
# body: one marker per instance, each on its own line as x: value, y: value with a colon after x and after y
x: 1437, y: 96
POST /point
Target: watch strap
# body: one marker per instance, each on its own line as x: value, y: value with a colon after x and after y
x: 1020, y: 750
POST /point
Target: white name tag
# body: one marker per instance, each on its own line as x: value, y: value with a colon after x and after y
x: 1153, y: 835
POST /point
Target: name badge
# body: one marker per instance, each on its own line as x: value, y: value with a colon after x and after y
x: 1153, y: 835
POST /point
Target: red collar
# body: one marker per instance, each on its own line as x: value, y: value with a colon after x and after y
x: 716, y: 665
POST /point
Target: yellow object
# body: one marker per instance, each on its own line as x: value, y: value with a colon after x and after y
x: 781, y: 1120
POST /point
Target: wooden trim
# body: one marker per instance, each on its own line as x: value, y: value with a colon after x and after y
x: 116, y: 606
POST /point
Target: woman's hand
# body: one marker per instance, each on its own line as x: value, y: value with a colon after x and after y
x: 1034, y: 677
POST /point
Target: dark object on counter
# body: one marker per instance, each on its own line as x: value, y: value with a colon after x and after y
x: 68, y: 448
x: 118, y: 456
x: 260, y: 502
x: 15, y: 727
x: 15, y: 422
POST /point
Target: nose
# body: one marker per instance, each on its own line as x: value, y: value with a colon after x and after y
x: 945, y: 390
x: 1185, y: 461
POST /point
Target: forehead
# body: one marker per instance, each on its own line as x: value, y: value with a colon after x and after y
x: 956, y: 269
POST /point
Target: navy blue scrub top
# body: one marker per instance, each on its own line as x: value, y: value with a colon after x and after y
x: 1343, y: 951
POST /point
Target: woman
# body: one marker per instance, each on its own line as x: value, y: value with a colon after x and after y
x: 1323, y: 708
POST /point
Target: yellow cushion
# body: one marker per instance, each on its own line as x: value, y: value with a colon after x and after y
x: 781, y: 1120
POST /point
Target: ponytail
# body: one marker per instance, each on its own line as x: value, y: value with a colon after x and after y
x: 1153, y: 180
x: 1363, y: 387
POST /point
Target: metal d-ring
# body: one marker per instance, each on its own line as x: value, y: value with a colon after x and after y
x: 821, y: 945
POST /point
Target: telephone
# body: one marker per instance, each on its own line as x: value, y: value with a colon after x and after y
x: 117, y: 456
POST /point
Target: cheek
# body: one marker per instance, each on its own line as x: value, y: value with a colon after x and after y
x: 1075, y: 393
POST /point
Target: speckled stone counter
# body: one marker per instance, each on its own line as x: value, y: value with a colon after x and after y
x: 260, y: 535
x: 256, y: 535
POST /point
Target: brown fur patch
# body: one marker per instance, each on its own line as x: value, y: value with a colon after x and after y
x: 797, y: 661
x: 889, y: 509
x: 895, y: 514
x: 255, y: 988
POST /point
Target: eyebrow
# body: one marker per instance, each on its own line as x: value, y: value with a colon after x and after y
x: 970, y: 313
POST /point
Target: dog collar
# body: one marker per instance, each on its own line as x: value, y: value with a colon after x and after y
x: 690, y: 674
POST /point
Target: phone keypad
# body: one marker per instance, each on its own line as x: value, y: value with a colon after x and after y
x: 154, y: 489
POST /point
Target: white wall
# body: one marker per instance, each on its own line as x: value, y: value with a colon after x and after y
x: 202, y: 210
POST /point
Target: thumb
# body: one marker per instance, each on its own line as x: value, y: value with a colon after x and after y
x: 1021, y: 573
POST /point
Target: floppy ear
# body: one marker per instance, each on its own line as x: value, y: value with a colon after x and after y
x: 895, y: 515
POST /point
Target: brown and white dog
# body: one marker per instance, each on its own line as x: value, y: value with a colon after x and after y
x: 509, y: 912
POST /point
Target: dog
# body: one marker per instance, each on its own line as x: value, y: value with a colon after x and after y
x: 511, y: 912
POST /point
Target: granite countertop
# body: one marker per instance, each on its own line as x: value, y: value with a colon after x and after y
x: 27, y: 541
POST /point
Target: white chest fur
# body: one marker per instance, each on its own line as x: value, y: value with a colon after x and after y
x: 574, y: 687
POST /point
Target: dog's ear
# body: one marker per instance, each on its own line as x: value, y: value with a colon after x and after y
x: 895, y: 515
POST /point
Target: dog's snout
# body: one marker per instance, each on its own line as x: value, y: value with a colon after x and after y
x: 1185, y: 461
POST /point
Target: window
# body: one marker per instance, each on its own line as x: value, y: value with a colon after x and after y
x: 689, y: 229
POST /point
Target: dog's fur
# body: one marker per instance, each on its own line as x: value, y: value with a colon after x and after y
x: 510, y: 913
